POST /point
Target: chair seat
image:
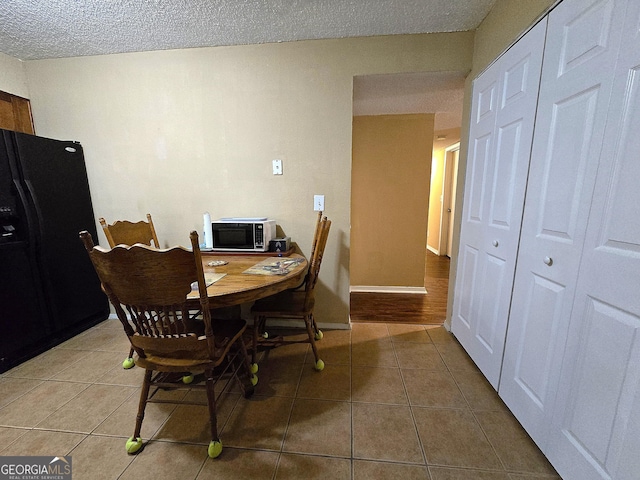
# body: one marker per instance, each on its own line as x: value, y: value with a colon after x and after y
x: 226, y: 333
x: 287, y: 303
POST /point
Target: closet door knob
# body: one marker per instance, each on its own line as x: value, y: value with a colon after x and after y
x: 548, y: 261
x: 495, y: 243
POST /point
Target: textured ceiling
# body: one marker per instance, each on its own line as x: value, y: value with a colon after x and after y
x: 435, y: 92
x: 37, y: 29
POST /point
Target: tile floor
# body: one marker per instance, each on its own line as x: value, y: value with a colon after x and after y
x: 394, y: 401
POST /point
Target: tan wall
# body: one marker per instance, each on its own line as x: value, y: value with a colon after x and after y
x: 178, y: 132
x: 13, y: 78
x: 435, y: 199
x: 507, y: 20
x: 390, y: 199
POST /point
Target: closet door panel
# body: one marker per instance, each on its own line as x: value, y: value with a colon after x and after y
x: 582, y: 43
x: 596, y: 425
x: 503, y: 111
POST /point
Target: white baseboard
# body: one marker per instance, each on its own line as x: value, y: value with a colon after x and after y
x: 433, y: 250
x: 387, y: 289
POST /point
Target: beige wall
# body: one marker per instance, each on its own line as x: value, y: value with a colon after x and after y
x: 506, y: 22
x: 435, y: 199
x: 175, y: 133
x: 390, y: 199
x: 12, y: 76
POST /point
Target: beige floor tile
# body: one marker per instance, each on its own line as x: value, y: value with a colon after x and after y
x: 368, y: 470
x: 385, y: 432
x: 44, y: 442
x: 478, y: 392
x: 259, y: 422
x: 278, y: 377
x: 190, y: 423
x: 91, y: 368
x: 99, y: 339
x: 366, y: 332
x: 48, y: 364
x: 100, y: 458
x: 12, y: 388
x: 455, y: 357
x: 374, y: 353
x: 319, y: 427
x: 236, y: 464
x: 440, y: 473
x: 432, y: 388
x: 308, y: 467
x: 525, y: 476
x: 399, y: 332
x: 331, y: 354
x: 122, y: 421
x: 121, y: 376
x: 439, y: 334
x: 335, y: 338
x: 514, y: 447
x: 9, y: 435
x: 166, y: 461
x: 418, y: 355
x: 86, y: 411
x: 37, y: 404
x: 452, y: 437
x: 291, y: 353
x: 377, y: 385
x: 332, y: 383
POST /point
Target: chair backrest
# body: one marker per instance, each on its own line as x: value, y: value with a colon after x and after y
x: 322, y: 231
x: 148, y: 288
x: 124, y: 232
x: 316, y: 234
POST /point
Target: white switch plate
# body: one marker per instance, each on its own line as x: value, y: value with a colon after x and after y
x: 318, y: 203
x: 277, y: 167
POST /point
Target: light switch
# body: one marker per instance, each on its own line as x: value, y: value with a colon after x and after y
x: 277, y: 167
x: 318, y: 203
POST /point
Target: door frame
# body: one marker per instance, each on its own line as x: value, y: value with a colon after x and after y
x: 449, y: 176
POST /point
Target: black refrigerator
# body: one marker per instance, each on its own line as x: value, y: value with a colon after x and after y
x: 49, y: 290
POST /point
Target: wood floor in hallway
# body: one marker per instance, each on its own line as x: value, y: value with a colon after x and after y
x: 426, y: 309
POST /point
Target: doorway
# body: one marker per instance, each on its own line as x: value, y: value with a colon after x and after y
x: 437, y: 93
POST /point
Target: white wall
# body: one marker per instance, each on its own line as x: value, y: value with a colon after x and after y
x: 12, y: 76
x: 175, y: 133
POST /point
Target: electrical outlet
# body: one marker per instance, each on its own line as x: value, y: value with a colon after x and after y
x: 277, y: 167
x: 318, y: 203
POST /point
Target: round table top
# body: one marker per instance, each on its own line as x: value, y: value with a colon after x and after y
x: 237, y: 287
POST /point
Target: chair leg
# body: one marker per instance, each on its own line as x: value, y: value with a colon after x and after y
x: 134, y: 444
x: 318, y: 333
x: 248, y: 367
x: 215, y: 446
x: 259, y: 323
x: 128, y: 362
x: 308, y: 322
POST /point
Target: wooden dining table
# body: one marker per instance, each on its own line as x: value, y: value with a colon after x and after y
x: 237, y: 287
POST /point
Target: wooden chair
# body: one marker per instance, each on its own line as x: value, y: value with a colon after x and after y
x: 124, y: 232
x: 293, y: 304
x: 148, y: 289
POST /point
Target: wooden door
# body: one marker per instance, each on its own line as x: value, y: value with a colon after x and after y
x: 596, y: 424
x: 501, y: 130
x: 583, y: 38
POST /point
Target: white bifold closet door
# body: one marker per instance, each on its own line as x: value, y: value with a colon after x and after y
x: 501, y: 130
x: 595, y: 432
x: 583, y: 41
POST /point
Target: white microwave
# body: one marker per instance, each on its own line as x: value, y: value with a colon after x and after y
x: 242, y: 234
